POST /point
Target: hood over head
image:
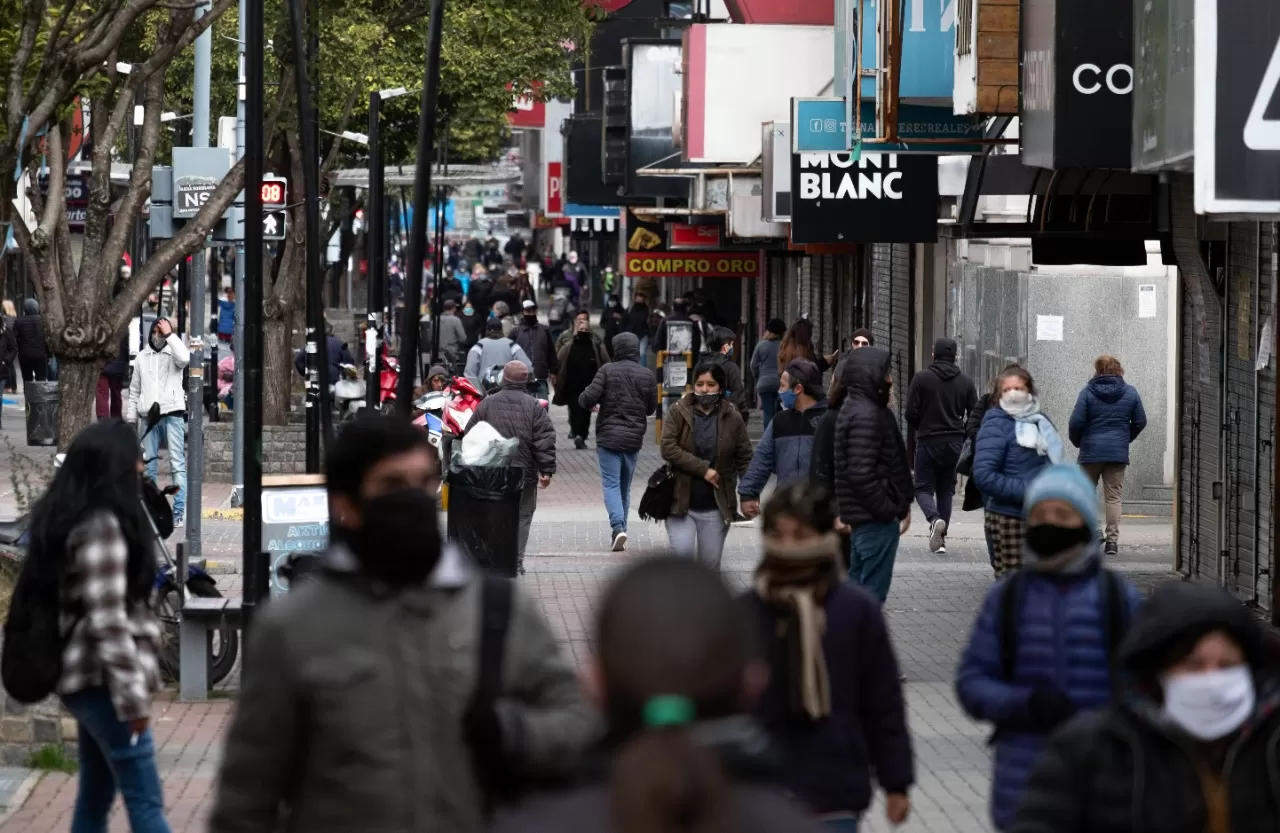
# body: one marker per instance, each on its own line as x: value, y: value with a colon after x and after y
x: 944, y: 350
x: 1175, y: 617
x: 31, y: 307
x: 626, y: 347
x: 1108, y: 388
x: 865, y: 371
x: 1066, y: 482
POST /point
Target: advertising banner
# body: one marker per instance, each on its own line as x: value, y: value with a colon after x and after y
x: 719, y: 264
x: 880, y: 198
x: 818, y: 124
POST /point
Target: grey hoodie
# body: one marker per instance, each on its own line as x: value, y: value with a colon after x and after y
x: 489, y: 352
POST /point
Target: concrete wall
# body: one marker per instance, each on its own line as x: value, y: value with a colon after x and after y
x: 995, y: 296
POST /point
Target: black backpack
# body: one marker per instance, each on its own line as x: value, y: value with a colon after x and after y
x: 31, y: 662
x: 1115, y: 616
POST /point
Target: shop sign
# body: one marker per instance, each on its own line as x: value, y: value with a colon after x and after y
x: 720, y: 264
x: 1077, y: 84
x: 1237, y: 107
x: 880, y: 198
x: 689, y: 236
x: 77, y: 198
x: 928, y: 66
x: 555, y: 189
x: 818, y: 124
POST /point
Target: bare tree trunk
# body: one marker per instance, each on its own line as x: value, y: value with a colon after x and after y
x: 77, y: 390
x: 277, y: 368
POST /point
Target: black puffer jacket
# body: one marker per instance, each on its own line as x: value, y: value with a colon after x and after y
x: 626, y: 392
x: 29, y: 330
x: 514, y: 413
x: 1129, y: 770
x: 873, y: 480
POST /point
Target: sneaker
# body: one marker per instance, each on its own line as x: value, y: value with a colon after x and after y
x: 619, y: 540
x: 579, y: 443
x: 1111, y: 548
x: 178, y: 521
x: 942, y: 550
x: 937, y: 530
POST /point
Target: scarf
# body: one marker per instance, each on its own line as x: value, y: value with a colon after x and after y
x: 795, y: 580
x: 1033, y: 429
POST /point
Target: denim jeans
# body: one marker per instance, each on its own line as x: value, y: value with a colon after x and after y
x: 935, y: 477
x: 875, y: 546
x: 644, y: 351
x: 699, y: 535
x: 768, y: 407
x: 175, y: 435
x: 109, y: 762
x: 616, y: 470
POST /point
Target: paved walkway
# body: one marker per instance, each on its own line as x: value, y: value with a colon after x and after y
x: 930, y: 611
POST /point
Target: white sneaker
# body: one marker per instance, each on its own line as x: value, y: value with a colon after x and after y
x: 619, y: 541
x: 942, y: 550
x: 937, y: 529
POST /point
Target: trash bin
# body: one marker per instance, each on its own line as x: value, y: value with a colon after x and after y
x: 484, y: 514
x: 42, y: 412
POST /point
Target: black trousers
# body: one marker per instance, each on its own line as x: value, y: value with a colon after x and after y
x: 579, y: 419
x: 34, y: 370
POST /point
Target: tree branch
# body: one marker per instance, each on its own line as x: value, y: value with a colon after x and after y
x: 18, y: 69
x: 347, y: 110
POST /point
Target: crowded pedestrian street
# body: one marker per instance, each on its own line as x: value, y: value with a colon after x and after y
x: 930, y: 611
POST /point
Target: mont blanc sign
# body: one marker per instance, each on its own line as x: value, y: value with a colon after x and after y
x: 879, y: 198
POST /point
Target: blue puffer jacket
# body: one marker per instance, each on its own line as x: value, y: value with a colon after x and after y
x: 1061, y: 645
x: 1002, y: 469
x: 1107, y: 417
x: 786, y: 449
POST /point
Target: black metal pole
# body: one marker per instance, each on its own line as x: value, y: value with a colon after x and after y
x: 251, y: 310
x: 374, y: 219
x: 421, y: 205
x: 317, y: 359
x: 437, y: 306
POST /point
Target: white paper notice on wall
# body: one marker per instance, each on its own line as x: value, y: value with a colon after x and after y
x: 1147, y: 300
x: 1264, y: 346
x: 1048, y: 328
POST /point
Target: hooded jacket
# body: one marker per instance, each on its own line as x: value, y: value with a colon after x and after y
x: 785, y: 450
x: 1061, y: 642
x: 1127, y: 768
x: 515, y: 414
x: 1002, y: 468
x: 313, y: 747
x: 939, y: 398
x: 627, y: 393
x: 1107, y: 417
x: 757, y: 802
x: 536, y: 341
x: 29, y: 331
x: 157, y: 377
x: 873, y: 480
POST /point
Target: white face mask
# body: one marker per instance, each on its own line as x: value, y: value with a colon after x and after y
x: 1211, y: 704
x: 1015, y: 400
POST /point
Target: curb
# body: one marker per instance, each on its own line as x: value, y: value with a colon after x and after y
x: 20, y: 795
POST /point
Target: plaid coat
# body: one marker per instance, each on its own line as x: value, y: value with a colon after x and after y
x: 114, y: 642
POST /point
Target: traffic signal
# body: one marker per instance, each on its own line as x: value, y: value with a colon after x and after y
x: 275, y: 194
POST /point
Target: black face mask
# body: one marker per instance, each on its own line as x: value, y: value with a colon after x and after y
x: 532, y: 319
x: 1048, y: 540
x: 399, y: 537
x: 707, y: 401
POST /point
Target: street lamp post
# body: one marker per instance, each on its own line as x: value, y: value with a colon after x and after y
x: 375, y: 219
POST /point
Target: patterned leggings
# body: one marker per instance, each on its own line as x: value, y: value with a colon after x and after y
x: 1008, y: 533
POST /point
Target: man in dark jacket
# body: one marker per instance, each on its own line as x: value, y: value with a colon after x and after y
x: 720, y: 351
x: 391, y: 625
x: 338, y: 356
x: 786, y: 449
x: 873, y: 480
x: 33, y: 352
x: 638, y: 325
x: 1187, y: 745
x: 1108, y: 417
x: 515, y: 414
x: 938, y: 400
x: 537, y: 343
x: 627, y: 393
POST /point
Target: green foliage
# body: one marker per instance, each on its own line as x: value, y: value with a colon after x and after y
x: 54, y: 758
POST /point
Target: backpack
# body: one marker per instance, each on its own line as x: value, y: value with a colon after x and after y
x: 31, y: 662
x: 1115, y: 616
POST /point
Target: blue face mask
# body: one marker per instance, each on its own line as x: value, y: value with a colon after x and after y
x: 787, y: 398
x: 468, y: 311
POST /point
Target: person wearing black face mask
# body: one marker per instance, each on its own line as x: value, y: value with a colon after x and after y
x: 357, y: 675
x: 705, y: 442
x: 579, y: 357
x: 1041, y: 649
x: 535, y: 339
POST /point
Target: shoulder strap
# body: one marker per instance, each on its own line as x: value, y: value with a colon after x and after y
x: 495, y: 616
x: 1116, y: 612
x: 1007, y: 622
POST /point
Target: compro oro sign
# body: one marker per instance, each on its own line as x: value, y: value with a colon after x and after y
x: 880, y: 198
x: 1237, y: 107
x: 693, y: 265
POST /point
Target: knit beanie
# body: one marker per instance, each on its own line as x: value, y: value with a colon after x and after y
x: 1067, y: 482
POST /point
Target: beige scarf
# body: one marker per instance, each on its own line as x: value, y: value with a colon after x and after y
x: 795, y: 579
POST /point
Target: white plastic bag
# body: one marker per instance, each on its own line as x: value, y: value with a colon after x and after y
x: 484, y: 446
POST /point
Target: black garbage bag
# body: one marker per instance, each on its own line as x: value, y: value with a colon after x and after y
x: 484, y: 514
x: 42, y: 412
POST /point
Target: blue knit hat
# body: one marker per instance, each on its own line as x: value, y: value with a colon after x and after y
x: 1066, y: 481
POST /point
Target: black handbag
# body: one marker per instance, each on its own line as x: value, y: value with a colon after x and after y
x: 655, y: 505
x: 964, y: 465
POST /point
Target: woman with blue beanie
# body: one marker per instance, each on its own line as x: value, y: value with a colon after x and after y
x: 1041, y: 648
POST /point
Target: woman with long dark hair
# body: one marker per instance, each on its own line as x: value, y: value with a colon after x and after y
x: 673, y: 676
x: 92, y: 550
x: 798, y: 344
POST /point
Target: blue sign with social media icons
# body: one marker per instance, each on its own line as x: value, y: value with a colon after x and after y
x: 818, y: 125
x: 928, y: 48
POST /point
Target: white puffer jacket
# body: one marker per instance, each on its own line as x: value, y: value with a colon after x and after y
x: 157, y: 377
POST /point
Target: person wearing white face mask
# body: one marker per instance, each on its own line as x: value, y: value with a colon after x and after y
x: 1014, y: 443
x: 1189, y: 744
